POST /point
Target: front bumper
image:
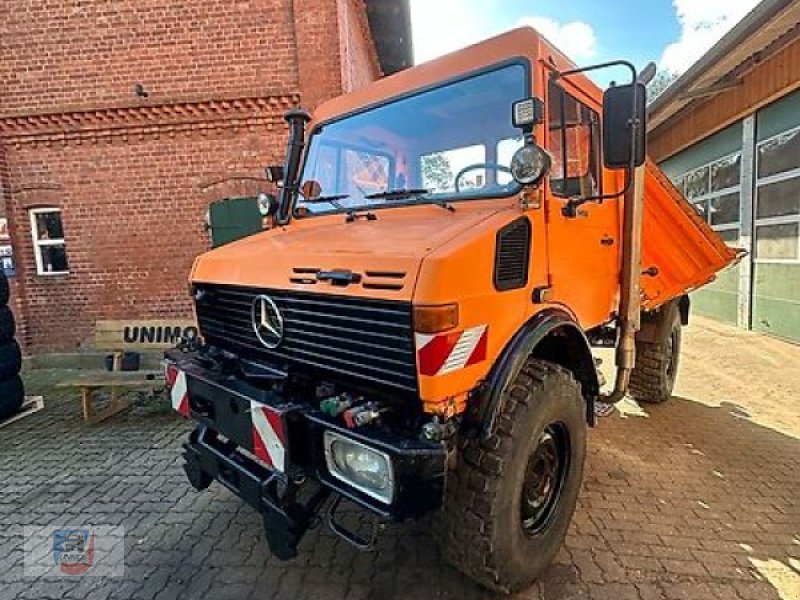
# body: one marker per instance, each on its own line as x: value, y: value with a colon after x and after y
x: 269, y: 451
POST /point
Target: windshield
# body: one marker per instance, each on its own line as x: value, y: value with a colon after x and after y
x: 450, y: 143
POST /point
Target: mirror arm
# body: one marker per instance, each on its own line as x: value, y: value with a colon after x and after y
x: 571, y: 207
x: 613, y: 63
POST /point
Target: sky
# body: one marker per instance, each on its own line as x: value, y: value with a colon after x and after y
x: 672, y: 33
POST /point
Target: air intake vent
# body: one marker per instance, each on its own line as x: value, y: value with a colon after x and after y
x: 384, y: 280
x: 512, y: 255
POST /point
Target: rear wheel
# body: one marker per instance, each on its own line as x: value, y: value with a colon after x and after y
x: 653, y: 377
x: 511, y: 497
x: 12, y: 394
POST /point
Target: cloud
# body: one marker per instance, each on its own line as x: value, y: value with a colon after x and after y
x: 703, y: 23
x: 442, y: 26
x: 576, y: 39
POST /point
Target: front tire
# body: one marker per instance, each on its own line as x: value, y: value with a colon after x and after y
x: 511, y: 497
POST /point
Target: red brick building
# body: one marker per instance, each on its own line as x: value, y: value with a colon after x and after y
x: 114, y: 117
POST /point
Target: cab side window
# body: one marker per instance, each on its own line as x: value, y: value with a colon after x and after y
x: 574, y: 142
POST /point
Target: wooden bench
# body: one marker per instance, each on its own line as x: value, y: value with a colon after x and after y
x: 119, y: 382
x: 141, y: 335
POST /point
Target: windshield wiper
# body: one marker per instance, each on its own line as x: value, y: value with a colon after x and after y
x: 402, y: 194
x: 399, y: 194
x: 331, y: 199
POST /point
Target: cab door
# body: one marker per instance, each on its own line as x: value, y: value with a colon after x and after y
x: 583, y: 246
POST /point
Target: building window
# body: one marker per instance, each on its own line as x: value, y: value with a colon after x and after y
x: 574, y: 143
x: 777, y: 211
x: 48, y: 241
x: 714, y: 189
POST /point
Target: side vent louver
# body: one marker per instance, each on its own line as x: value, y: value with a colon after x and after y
x: 512, y: 255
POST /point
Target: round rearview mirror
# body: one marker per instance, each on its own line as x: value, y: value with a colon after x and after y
x: 529, y: 164
x: 267, y: 204
x: 311, y: 189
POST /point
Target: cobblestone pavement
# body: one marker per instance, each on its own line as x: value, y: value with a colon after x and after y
x: 697, y: 498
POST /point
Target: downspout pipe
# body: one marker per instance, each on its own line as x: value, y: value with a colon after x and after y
x: 297, y: 118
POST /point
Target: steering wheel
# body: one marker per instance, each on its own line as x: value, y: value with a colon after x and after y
x: 494, y: 166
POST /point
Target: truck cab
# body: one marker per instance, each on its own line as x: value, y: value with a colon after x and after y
x: 414, y: 333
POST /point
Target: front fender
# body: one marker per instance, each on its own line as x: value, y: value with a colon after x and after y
x: 552, y: 335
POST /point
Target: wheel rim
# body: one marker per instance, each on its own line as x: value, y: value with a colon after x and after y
x: 672, y: 355
x: 545, y: 474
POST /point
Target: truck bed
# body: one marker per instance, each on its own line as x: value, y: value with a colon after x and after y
x: 678, y: 242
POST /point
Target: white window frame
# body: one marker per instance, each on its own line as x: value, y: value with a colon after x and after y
x: 39, y: 244
x: 781, y: 220
x: 711, y: 195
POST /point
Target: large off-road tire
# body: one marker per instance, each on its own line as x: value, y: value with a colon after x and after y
x: 653, y: 377
x: 12, y: 394
x: 7, y: 325
x: 10, y: 360
x: 509, y: 501
x: 5, y: 290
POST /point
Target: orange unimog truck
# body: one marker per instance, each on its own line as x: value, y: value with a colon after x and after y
x: 415, y: 332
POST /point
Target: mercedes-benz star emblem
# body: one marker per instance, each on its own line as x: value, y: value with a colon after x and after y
x: 267, y: 322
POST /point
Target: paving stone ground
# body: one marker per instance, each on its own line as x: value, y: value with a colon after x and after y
x: 696, y: 498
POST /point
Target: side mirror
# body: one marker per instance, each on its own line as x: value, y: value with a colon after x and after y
x: 624, y: 106
x: 275, y: 174
x: 267, y: 204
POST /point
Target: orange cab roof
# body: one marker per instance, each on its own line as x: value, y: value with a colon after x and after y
x: 522, y: 42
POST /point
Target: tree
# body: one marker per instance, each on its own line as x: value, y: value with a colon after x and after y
x: 437, y: 174
x: 661, y: 82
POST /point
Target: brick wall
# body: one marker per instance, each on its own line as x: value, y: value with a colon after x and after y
x: 130, y: 173
x: 56, y: 54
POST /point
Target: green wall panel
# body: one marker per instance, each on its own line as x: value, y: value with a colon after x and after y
x: 778, y: 116
x: 720, y: 298
x: 776, y: 299
x: 725, y: 142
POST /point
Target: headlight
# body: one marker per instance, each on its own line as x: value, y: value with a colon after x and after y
x: 529, y: 164
x: 364, y: 468
x: 267, y: 205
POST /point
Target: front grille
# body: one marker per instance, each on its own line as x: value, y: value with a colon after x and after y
x: 363, y: 340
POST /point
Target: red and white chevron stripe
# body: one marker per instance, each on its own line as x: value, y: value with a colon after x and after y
x: 447, y: 352
x: 178, y: 391
x: 269, y: 437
